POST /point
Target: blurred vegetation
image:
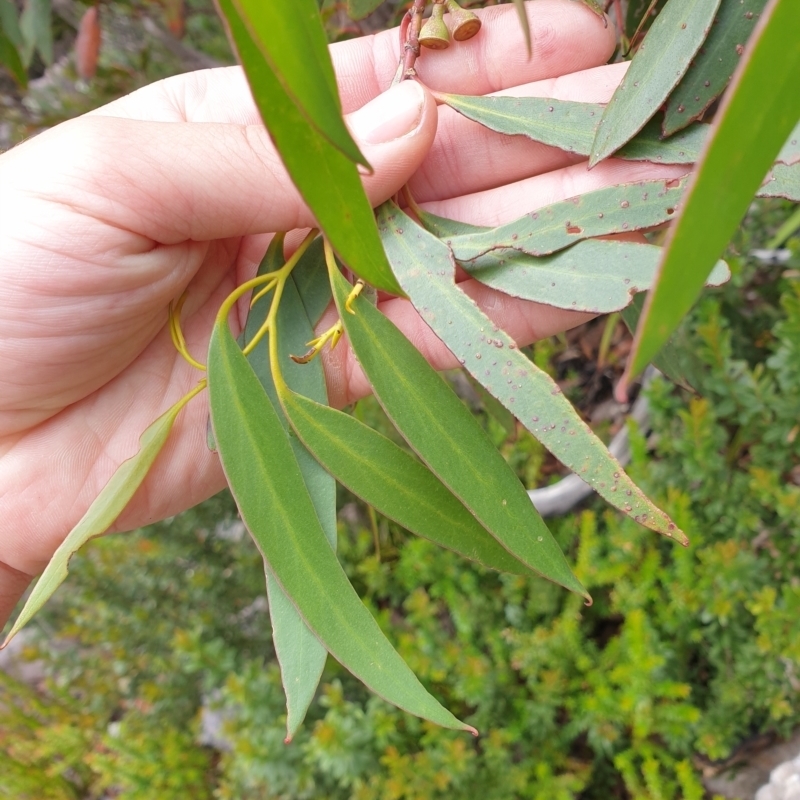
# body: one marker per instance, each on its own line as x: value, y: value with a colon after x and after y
x: 161, y: 677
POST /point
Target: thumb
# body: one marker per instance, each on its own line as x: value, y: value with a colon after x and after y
x: 172, y: 182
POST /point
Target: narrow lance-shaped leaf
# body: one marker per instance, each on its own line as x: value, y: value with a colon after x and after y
x: 661, y: 61
x: 425, y: 268
x: 616, y: 209
x: 35, y: 23
x: 443, y: 432
x: 311, y: 280
x: 300, y: 654
x: 292, y: 39
x: 107, y: 506
x: 595, y: 275
x: 327, y: 179
x: 277, y: 510
x: 393, y: 482
x: 10, y: 59
x: 758, y: 113
x: 571, y: 126
x: 711, y: 69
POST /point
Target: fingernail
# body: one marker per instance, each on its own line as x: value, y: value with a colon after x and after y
x: 392, y: 115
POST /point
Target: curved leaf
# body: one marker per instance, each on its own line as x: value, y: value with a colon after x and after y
x: 595, y: 275
x: 327, y: 179
x: 277, y: 510
x: 425, y: 268
x: 107, y: 506
x: 393, y: 482
x: 662, y: 59
x: 443, y: 432
x: 628, y: 207
x: 758, y: 113
x: 300, y: 654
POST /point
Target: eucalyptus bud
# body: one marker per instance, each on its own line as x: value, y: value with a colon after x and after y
x: 463, y: 23
x: 434, y: 34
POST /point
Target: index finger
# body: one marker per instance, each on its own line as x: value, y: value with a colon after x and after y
x: 567, y: 37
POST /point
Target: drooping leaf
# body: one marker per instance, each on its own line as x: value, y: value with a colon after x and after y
x: 677, y: 359
x: 595, y: 275
x: 35, y: 23
x: 712, y: 67
x: 661, y: 61
x: 293, y: 42
x: 425, y: 268
x: 782, y: 181
x: 571, y: 126
x: 358, y: 9
x: 277, y: 510
x: 300, y: 654
x: 628, y: 207
x: 790, y: 152
x: 10, y: 59
x: 327, y: 179
x: 311, y: 279
x: 757, y: 114
x: 393, y: 482
x: 525, y: 25
x: 107, y: 506
x: 444, y: 433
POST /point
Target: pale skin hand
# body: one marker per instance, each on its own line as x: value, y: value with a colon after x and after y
x: 106, y: 219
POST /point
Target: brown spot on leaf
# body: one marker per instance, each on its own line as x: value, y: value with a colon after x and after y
x: 574, y: 229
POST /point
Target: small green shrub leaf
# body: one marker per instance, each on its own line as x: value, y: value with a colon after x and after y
x: 712, y: 67
x: 628, y: 207
x: 661, y: 61
x: 756, y: 117
x: 276, y: 508
x: 595, y: 275
x: 324, y: 176
x: 296, y: 48
x: 571, y: 126
x: 393, y: 482
x: 300, y: 654
x: 425, y: 268
x: 444, y: 433
x: 107, y: 506
x: 10, y: 59
x: 35, y: 24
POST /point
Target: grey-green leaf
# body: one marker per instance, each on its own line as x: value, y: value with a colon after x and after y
x: 300, y: 654
x: 425, y: 269
x: 783, y: 181
x: 659, y: 64
x: 790, y: 152
x: 393, y: 482
x: 443, y: 432
x: 277, y: 510
x: 616, y: 209
x: 596, y: 275
x: 712, y: 67
x: 107, y: 506
x: 311, y: 279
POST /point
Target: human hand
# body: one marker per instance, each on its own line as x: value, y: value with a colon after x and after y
x: 106, y: 219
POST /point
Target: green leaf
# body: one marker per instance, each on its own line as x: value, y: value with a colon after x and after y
x: 628, y: 207
x: 10, y: 59
x: 636, y: 11
x: 661, y: 61
x: 327, y: 179
x: 393, y: 482
x: 594, y: 6
x: 525, y: 25
x: 292, y: 39
x: 571, y: 126
x: 444, y: 228
x: 9, y: 24
x: 107, y: 506
x: 595, y: 275
x: 446, y: 436
x: 358, y: 9
x: 37, y: 32
x: 677, y: 359
x: 425, y: 269
x: 300, y: 654
x: 493, y: 408
x: 790, y: 152
x: 712, y: 68
x: 277, y: 510
x: 311, y: 279
x: 757, y: 115
x: 782, y: 181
